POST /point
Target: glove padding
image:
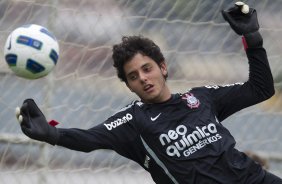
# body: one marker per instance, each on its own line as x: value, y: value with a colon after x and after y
x: 242, y: 19
x: 34, y: 124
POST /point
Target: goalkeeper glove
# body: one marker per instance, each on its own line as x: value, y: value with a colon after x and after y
x: 243, y: 20
x: 34, y: 124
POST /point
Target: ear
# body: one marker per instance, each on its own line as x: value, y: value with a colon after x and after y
x: 163, y: 68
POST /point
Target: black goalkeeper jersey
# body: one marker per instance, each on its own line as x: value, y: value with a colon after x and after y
x: 182, y: 140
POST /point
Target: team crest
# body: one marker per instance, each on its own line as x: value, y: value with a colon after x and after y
x: 192, y: 101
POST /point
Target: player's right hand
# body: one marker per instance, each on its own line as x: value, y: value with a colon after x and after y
x: 34, y: 124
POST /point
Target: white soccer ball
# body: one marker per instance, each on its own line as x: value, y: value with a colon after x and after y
x: 31, y: 51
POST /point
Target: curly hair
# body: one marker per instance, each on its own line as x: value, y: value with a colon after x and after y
x: 129, y: 47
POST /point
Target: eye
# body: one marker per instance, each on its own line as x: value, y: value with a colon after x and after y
x: 132, y: 77
x: 147, y: 68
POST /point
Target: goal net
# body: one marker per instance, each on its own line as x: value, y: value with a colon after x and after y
x: 82, y: 91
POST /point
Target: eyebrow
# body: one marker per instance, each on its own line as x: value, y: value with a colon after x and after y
x: 131, y: 73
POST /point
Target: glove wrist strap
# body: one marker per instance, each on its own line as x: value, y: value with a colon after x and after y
x: 252, y: 40
x: 53, y: 123
x: 53, y: 136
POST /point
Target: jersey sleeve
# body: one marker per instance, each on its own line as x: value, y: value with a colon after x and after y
x: 229, y: 99
x: 114, y: 133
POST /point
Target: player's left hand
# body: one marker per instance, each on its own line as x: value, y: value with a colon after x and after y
x: 242, y: 19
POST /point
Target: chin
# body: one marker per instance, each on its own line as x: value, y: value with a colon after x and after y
x: 152, y: 100
x: 148, y: 100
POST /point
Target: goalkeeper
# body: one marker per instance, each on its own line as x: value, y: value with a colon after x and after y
x: 178, y: 138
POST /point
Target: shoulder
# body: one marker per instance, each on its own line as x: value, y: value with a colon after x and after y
x: 212, y: 88
x: 211, y: 91
x: 129, y: 107
x: 197, y: 90
x: 224, y: 86
x: 124, y: 116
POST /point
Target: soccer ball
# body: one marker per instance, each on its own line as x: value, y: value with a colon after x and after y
x: 31, y: 51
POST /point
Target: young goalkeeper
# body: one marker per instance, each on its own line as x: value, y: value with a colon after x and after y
x: 178, y: 138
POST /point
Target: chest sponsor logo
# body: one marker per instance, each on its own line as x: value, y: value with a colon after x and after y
x: 180, y: 142
x: 118, y: 121
x: 192, y: 101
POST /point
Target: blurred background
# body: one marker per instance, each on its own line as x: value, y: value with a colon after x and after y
x: 82, y: 91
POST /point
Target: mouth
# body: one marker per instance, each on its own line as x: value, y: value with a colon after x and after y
x: 148, y: 88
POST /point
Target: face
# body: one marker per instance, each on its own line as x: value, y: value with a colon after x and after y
x: 146, y: 78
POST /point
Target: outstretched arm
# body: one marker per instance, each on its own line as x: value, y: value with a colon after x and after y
x: 115, y: 133
x: 243, y: 20
x: 34, y: 124
x: 259, y: 87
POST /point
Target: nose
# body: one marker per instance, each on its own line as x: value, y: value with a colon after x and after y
x: 142, y: 77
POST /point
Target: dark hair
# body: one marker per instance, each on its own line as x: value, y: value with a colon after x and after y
x: 129, y: 47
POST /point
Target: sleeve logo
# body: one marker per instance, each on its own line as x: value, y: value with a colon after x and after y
x: 118, y: 121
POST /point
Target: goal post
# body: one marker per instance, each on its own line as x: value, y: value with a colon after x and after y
x: 82, y: 91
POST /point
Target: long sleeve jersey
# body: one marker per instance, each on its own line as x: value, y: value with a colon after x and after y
x: 183, y: 140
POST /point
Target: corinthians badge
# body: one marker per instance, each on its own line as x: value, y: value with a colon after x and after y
x: 192, y: 101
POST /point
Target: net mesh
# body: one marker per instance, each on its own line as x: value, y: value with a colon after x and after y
x: 83, y: 90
